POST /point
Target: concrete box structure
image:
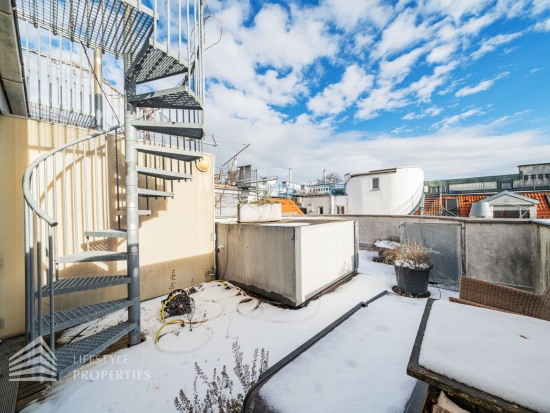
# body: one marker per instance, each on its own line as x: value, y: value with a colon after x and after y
x: 289, y: 261
x: 259, y: 212
x: 385, y: 192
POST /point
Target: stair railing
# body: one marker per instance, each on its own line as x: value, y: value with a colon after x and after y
x: 411, y: 203
x: 56, y: 193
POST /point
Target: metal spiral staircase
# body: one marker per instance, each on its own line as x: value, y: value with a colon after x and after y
x: 74, y: 194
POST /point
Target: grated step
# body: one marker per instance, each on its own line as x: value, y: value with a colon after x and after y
x: 106, y: 233
x: 154, y: 63
x: 73, y: 355
x: 154, y: 193
x: 172, y: 153
x: 73, y: 316
x: 140, y: 212
x: 187, y: 130
x: 93, y: 256
x: 163, y: 174
x: 72, y: 285
x: 174, y: 98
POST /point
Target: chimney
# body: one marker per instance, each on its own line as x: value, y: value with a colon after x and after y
x: 324, y: 176
x: 289, y: 174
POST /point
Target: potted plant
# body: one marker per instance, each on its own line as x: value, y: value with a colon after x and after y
x: 412, y: 269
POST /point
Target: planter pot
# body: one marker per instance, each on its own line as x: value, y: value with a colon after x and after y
x: 414, y: 282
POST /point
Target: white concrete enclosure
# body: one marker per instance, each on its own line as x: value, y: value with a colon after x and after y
x: 394, y: 191
x: 259, y: 212
x: 289, y: 261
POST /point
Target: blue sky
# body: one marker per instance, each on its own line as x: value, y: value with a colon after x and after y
x: 459, y: 88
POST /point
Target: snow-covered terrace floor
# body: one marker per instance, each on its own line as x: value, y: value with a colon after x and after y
x: 152, y: 374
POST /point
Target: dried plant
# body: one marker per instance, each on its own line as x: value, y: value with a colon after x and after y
x: 172, y: 280
x: 388, y: 256
x: 219, y: 393
x: 413, y: 255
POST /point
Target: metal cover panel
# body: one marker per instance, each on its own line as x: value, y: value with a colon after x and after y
x: 174, y: 98
x: 154, y: 193
x: 106, y: 233
x: 93, y: 256
x: 73, y: 316
x: 171, y: 153
x: 188, y: 130
x: 71, y: 285
x: 163, y: 174
x: 75, y: 354
x: 444, y: 242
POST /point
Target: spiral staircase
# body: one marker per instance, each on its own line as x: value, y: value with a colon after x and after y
x: 162, y: 136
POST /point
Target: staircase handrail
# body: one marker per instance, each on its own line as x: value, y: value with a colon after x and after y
x: 411, y: 203
x: 27, y: 192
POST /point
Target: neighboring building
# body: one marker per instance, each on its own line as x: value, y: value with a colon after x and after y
x: 505, y: 205
x: 396, y: 191
x: 322, y: 199
x: 454, y: 197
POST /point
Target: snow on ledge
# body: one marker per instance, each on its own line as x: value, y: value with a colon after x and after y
x: 387, y: 244
x: 506, y: 355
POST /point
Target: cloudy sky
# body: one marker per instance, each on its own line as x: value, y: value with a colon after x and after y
x: 460, y: 88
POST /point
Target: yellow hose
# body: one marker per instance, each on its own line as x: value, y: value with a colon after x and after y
x: 165, y: 324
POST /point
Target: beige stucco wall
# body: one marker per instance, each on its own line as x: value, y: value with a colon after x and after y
x: 177, y: 236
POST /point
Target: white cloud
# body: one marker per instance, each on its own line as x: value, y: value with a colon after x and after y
x: 441, y: 53
x: 492, y: 43
x: 543, y: 26
x: 433, y: 111
x: 482, y: 86
x: 339, y: 96
x: 455, y: 119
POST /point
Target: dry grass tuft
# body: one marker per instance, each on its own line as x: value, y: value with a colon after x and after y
x: 414, y: 253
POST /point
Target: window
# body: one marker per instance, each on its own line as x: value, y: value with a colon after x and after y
x: 320, y: 210
x: 433, y: 189
x: 375, y: 183
x: 451, y: 205
x: 506, y: 185
x: 339, y: 210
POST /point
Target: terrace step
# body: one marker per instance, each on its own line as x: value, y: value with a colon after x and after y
x: 163, y: 174
x: 92, y: 256
x: 172, y: 153
x: 73, y: 355
x: 187, y: 130
x: 154, y: 193
x: 153, y: 63
x: 73, y: 285
x: 174, y: 98
x: 73, y: 316
x: 106, y: 233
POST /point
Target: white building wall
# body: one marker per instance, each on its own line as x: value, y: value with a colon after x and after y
x: 395, y: 189
x: 329, y: 203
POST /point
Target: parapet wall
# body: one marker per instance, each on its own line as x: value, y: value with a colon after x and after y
x: 509, y: 251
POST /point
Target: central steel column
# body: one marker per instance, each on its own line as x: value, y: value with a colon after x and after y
x: 132, y: 213
x: 98, y: 94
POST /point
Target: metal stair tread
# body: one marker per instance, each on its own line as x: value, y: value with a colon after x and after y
x: 77, y: 315
x: 140, y: 212
x: 153, y: 63
x: 72, y: 285
x: 92, y: 256
x: 188, y: 130
x: 73, y: 355
x: 174, y: 98
x: 106, y: 233
x: 172, y: 153
x: 154, y: 193
x: 163, y: 174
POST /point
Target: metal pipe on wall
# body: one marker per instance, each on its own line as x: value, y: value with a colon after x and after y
x: 98, y: 94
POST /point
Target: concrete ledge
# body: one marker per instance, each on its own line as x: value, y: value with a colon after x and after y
x: 259, y: 212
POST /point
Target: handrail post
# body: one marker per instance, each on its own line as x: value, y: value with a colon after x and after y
x: 132, y: 211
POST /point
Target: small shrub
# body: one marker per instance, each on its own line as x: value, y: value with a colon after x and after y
x: 219, y: 393
x: 413, y: 255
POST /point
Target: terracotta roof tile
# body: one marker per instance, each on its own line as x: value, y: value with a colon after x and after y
x: 288, y: 206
